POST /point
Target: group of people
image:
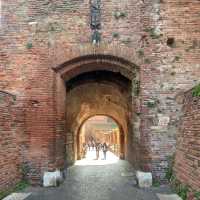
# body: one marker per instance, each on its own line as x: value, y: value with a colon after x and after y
x: 98, y: 146
x: 101, y: 146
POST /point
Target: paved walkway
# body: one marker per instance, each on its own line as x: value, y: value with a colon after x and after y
x: 91, y: 179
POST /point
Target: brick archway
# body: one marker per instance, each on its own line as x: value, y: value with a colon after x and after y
x: 114, y: 80
x: 87, y: 63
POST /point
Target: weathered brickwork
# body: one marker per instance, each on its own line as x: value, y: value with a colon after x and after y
x: 187, y: 160
x: 161, y: 38
x: 10, y: 172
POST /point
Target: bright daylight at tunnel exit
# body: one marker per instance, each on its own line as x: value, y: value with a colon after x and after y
x: 100, y: 100
x: 99, y: 142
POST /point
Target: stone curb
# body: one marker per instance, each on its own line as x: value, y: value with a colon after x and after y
x: 17, y: 196
x: 168, y: 196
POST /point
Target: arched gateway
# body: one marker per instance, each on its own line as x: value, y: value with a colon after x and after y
x: 65, y: 61
x: 95, y: 62
x: 96, y: 85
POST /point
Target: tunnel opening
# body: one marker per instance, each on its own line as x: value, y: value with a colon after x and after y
x: 97, y: 93
x: 100, y: 141
x: 95, y: 85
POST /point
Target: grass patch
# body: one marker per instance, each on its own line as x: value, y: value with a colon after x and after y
x: 140, y: 53
x: 126, y: 41
x: 151, y: 104
x: 153, y: 33
x: 196, y: 91
x: 156, y: 183
x: 18, y: 187
x: 180, y: 189
x: 120, y: 14
x: 29, y: 45
x: 136, y: 87
x: 176, y: 58
x: 197, y: 195
x: 169, y: 172
x: 115, y: 35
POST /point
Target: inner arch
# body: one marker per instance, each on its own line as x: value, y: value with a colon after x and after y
x: 102, y: 129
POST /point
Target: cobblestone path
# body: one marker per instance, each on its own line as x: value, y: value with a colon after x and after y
x: 99, y: 180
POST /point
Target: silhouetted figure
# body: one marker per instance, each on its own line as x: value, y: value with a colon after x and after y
x: 89, y: 145
x: 93, y: 145
x: 98, y: 147
x: 105, y: 149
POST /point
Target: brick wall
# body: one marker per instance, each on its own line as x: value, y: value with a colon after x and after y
x: 160, y: 37
x: 187, y: 159
x: 9, y: 146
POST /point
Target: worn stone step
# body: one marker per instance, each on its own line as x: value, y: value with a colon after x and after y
x: 168, y: 197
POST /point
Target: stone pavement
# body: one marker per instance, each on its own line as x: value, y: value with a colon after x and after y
x: 98, y: 180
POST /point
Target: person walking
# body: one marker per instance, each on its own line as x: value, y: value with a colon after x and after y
x: 105, y: 149
x: 89, y: 145
x: 98, y: 147
x: 93, y: 144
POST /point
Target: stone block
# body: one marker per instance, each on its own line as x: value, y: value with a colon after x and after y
x: 17, y: 196
x: 144, y: 179
x: 168, y: 197
x: 52, y: 179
